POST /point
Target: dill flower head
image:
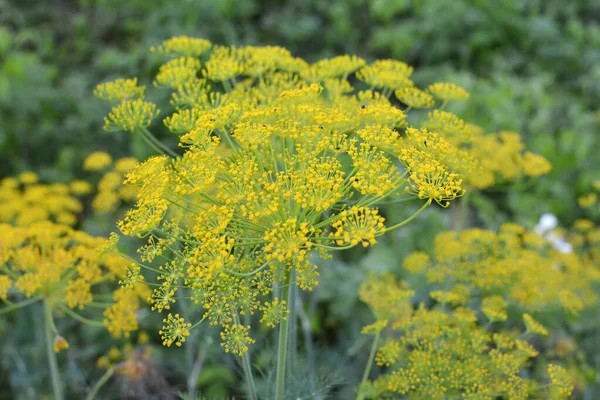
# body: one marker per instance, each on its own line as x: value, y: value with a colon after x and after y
x: 97, y: 161
x: 183, y: 45
x: 288, y: 241
x: 435, y: 352
x: 533, y: 326
x: 510, y: 267
x: 535, y: 165
x: 80, y: 187
x: 283, y: 162
x: 120, y: 90
x: 130, y: 115
x: 414, y: 97
x: 336, y: 67
x: 561, y: 381
x: 358, y: 225
x: 502, y: 159
x: 175, y: 330
x: 235, y: 339
x: 177, y: 72
x: 447, y: 91
x: 53, y: 262
x: 416, y: 262
x: 274, y: 312
x: 24, y: 204
x: 389, y: 74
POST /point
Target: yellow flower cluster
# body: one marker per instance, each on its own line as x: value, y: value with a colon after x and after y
x: 54, y: 263
x: 440, y: 353
x: 503, y: 159
x: 513, y: 267
x: 184, y: 45
x: 119, y: 90
x: 130, y: 111
x: 24, y: 201
x: 111, y: 189
x: 563, y: 385
x: 130, y: 115
x: 483, y: 159
x: 447, y: 91
x: 282, y: 161
x: 589, y: 200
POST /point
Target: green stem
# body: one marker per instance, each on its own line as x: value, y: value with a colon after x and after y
x: 198, y: 323
x: 151, y: 144
x: 369, y: 365
x: 406, y: 221
x: 247, y: 368
x: 283, y: 342
x: 158, y: 143
x: 246, y: 274
x: 109, y: 372
x: 293, y: 334
x: 249, y: 378
x: 16, y: 306
x: 52, y: 362
x: 81, y: 319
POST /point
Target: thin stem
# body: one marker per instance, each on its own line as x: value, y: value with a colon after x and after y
x: 79, y: 318
x: 229, y: 139
x: 323, y: 246
x: 107, y: 375
x: 282, y: 345
x: 248, y: 273
x: 196, y: 370
x: 247, y: 368
x: 98, y: 304
x: 198, y: 323
x: 126, y: 257
x: 293, y: 334
x: 151, y: 143
x: 16, y: 306
x: 369, y: 365
x: 52, y: 362
x: 158, y: 143
x: 406, y: 221
x: 182, y: 206
x: 249, y: 378
x: 305, y: 323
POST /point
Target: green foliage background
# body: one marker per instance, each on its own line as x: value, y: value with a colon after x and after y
x: 532, y: 66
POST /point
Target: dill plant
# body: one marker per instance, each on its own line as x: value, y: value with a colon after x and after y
x: 43, y: 259
x: 437, y: 353
x: 282, y: 160
x: 59, y: 267
x: 479, y: 334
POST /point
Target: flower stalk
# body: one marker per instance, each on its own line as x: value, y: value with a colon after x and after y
x: 50, y: 332
x: 283, y: 342
x: 369, y: 365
